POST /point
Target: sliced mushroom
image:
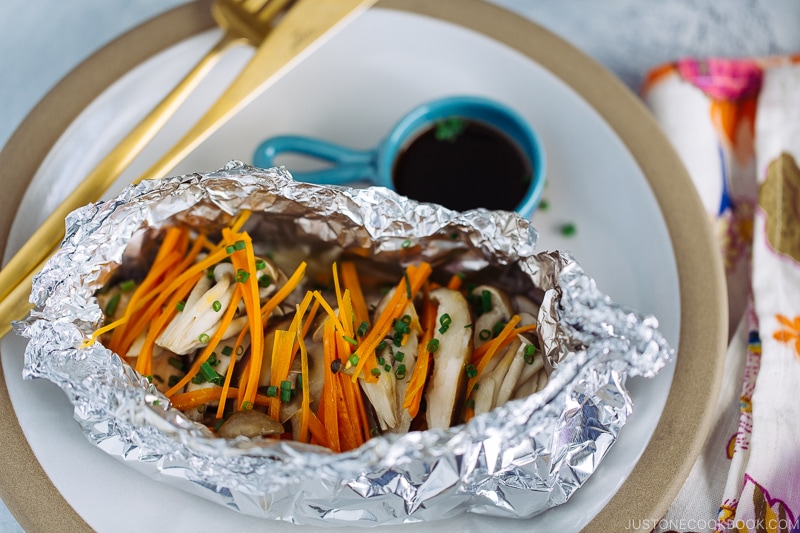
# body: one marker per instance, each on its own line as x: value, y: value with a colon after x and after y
x: 445, y: 392
x: 500, y: 311
x: 511, y: 379
x: 388, y: 393
x: 249, y: 423
x: 493, y: 379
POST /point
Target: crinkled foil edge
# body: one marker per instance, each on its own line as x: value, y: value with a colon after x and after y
x: 517, y: 461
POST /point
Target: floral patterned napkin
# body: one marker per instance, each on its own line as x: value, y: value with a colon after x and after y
x: 736, y: 126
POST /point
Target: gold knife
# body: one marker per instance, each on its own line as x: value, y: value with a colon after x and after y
x: 304, y: 28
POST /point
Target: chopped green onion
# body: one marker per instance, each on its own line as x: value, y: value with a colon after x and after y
x: 239, y: 245
x: 406, y: 243
x: 353, y: 359
x: 127, y: 286
x: 111, y: 306
x: 175, y: 362
x: 158, y: 378
x: 498, y: 327
x: 229, y: 250
x: 530, y: 351
x: 476, y: 387
x: 350, y: 340
x: 405, y: 319
x: 400, y: 371
x: 388, y: 368
x: 544, y: 205
x: 264, y: 281
x: 376, y: 372
x: 467, y: 326
x: 272, y: 391
x: 445, y: 320
x: 209, y: 373
x: 227, y: 350
x: 286, y: 385
x: 173, y: 380
x: 203, y: 337
x: 568, y: 230
x: 212, y: 359
x: 485, y: 334
x: 300, y: 381
x: 399, y: 356
x: 470, y: 404
x: 156, y: 402
x: 433, y: 345
x: 486, y: 301
x: 362, y: 328
x: 216, y: 306
x: 402, y: 327
x: 397, y: 338
x: 260, y: 264
x: 286, y: 395
x: 219, y: 424
x: 471, y: 371
x: 381, y: 361
x: 242, y: 275
x: 239, y: 350
x: 180, y: 306
x: 247, y: 405
x: 210, y: 272
x: 381, y: 346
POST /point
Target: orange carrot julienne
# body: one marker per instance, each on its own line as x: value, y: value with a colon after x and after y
x: 351, y: 282
x: 407, y: 288
x: 212, y: 343
x: 420, y: 373
x: 480, y: 351
x: 506, y: 332
x: 455, y: 282
x: 305, y: 404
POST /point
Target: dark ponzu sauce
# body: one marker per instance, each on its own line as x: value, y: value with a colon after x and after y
x: 463, y: 164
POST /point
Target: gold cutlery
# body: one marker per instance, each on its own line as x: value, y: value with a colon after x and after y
x: 299, y: 32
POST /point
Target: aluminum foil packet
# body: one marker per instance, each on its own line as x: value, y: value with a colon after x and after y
x: 516, y: 461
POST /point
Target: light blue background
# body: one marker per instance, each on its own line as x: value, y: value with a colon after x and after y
x: 42, y: 40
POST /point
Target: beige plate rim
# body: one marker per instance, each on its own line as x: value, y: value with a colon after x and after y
x: 662, y: 469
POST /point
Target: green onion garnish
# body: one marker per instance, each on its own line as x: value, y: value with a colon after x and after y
x: 216, y: 306
x: 260, y: 264
x: 353, y: 359
x: 471, y: 371
x: 219, y: 424
x: 485, y: 334
x: 397, y: 339
x: 381, y: 361
x: 399, y: 356
x: 173, y: 380
x: 486, y: 301
x: 212, y: 359
x: 405, y: 319
x: 210, y: 272
x: 272, y: 391
x: 406, y: 243
x: 362, y: 328
x: 350, y: 340
x: 286, y: 395
x: 568, y: 230
x: 498, y: 327
x: 203, y: 338
x: 528, y: 354
x: 111, y: 306
x: 242, y: 275
x: 175, y: 362
x: 229, y: 250
x: 127, y: 286
x: 445, y: 321
x: 376, y: 372
x: 227, y: 350
x: 180, y: 306
x: 239, y: 245
x: 247, y: 405
x: 470, y: 404
x: 381, y: 346
x: 433, y: 345
x: 286, y: 385
x: 400, y: 371
x: 264, y: 281
x: 158, y: 378
x: 388, y: 368
x: 209, y: 373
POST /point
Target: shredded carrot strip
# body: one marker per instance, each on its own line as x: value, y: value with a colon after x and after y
x: 283, y: 292
x: 305, y: 405
x: 240, y: 220
x: 327, y: 406
x: 455, y: 282
x: 243, y: 378
x: 212, y: 343
x: 281, y: 351
x: 331, y: 313
x: 317, y: 430
x: 362, y: 413
x: 162, y: 318
x: 480, y: 351
x: 187, y: 400
x: 406, y: 289
x: 351, y: 282
x: 349, y: 428
x: 505, y: 333
x: 420, y: 373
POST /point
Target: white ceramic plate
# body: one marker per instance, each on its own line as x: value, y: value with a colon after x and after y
x: 351, y: 91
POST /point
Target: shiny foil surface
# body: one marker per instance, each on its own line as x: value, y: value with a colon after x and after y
x: 516, y: 461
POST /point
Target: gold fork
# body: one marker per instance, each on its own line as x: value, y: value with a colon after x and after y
x: 244, y: 21
x: 299, y: 32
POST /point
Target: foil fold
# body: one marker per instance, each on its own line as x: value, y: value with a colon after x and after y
x: 516, y: 461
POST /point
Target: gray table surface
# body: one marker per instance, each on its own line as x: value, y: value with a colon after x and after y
x: 42, y: 40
